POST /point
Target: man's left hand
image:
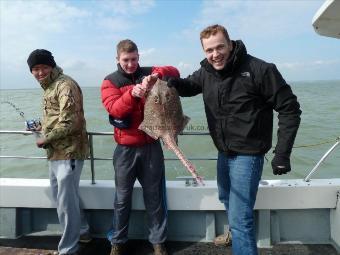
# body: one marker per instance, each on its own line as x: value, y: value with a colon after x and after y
x: 281, y: 164
x: 149, y: 81
x: 41, y: 142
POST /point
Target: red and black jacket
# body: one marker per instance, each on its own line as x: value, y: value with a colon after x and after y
x: 119, y: 103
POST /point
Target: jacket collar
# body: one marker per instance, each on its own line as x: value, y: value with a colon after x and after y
x: 56, y: 71
x: 134, y: 76
x: 237, y: 55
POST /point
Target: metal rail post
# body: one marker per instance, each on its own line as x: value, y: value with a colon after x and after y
x: 92, y: 159
x: 307, y: 178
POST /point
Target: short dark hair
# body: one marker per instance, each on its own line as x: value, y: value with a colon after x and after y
x: 126, y: 46
x: 212, y: 30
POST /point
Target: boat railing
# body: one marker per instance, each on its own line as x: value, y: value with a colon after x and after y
x: 323, y: 158
x: 92, y: 158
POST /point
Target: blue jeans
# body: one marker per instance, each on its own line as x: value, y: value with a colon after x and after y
x: 238, y: 178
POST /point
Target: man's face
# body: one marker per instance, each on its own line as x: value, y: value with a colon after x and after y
x: 128, y: 61
x: 217, y: 50
x: 40, y: 72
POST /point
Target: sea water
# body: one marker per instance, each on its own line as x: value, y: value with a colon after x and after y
x: 318, y: 131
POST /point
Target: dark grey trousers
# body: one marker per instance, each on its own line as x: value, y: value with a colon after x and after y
x: 145, y: 163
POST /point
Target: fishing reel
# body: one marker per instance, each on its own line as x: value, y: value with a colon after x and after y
x: 32, y: 124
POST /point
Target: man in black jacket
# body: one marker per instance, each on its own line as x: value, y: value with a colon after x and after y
x: 240, y: 93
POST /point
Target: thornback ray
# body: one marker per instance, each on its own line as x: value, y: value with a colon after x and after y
x: 164, y: 119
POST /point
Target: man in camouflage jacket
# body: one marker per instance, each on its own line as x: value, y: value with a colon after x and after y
x: 66, y: 142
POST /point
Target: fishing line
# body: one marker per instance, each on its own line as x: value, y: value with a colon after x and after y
x: 17, y: 109
x: 31, y: 124
x: 316, y: 144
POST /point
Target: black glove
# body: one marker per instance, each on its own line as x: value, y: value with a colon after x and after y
x: 171, y: 81
x: 281, y: 164
x: 165, y: 78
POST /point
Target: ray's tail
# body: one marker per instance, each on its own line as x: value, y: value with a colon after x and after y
x: 170, y: 142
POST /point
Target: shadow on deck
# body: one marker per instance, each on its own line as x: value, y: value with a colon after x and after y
x: 38, y: 245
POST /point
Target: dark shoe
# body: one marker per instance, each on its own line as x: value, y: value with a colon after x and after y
x: 159, y: 249
x: 117, y: 249
x: 85, y: 238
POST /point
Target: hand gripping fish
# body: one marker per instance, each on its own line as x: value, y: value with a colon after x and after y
x: 164, y: 118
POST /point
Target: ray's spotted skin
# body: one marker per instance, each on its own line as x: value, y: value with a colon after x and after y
x: 164, y: 118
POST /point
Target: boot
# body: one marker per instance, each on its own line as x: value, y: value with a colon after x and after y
x: 159, y: 249
x: 224, y: 239
x: 85, y: 238
x: 116, y: 249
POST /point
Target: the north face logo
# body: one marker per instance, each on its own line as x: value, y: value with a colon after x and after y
x: 245, y: 74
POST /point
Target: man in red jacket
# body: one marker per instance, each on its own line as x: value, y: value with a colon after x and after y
x: 137, y: 155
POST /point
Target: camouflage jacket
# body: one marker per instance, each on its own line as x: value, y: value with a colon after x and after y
x: 63, y: 123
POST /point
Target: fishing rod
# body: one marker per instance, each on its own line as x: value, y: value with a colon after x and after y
x: 30, y: 124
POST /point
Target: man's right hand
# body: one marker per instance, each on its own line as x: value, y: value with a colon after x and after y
x: 35, y: 129
x: 138, y: 90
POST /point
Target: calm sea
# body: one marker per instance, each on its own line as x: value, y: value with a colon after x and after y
x: 318, y: 132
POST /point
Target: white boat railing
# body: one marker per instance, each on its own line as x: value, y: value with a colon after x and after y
x: 308, y: 176
x: 92, y: 158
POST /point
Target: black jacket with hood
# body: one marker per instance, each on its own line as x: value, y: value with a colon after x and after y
x: 239, y: 101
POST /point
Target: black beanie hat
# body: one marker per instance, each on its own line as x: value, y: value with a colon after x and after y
x: 40, y: 57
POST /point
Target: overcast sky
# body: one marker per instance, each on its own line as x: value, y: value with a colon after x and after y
x: 82, y: 35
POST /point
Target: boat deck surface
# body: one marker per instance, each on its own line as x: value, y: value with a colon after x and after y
x: 46, y: 245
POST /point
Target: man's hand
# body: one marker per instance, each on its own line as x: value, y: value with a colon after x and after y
x: 41, y: 143
x: 138, y: 90
x: 36, y: 128
x: 281, y: 164
x: 149, y: 81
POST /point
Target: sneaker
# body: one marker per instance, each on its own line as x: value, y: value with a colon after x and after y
x: 117, y: 249
x: 85, y: 238
x: 159, y: 249
x: 224, y: 239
